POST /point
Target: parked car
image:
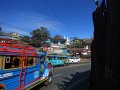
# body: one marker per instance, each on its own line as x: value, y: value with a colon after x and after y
x: 74, y: 60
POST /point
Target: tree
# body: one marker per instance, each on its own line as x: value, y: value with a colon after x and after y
x: 58, y: 36
x: 39, y: 36
x: 25, y: 39
x: 0, y: 29
x: 1, y: 32
x: 79, y: 43
x: 76, y: 43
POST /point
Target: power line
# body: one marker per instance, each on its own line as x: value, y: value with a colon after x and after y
x: 57, y: 15
x: 12, y: 26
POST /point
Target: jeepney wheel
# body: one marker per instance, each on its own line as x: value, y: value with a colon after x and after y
x: 49, y: 80
x: 65, y: 64
x: 2, y: 87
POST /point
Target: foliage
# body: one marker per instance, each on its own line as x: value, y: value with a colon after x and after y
x: 39, y: 36
x: 1, y: 32
x: 26, y: 39
x: 79, y: 43
x: 58, y: 36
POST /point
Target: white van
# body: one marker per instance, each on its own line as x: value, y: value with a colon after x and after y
x: 74, y: 60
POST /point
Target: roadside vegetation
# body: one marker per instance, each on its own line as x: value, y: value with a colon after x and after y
x: 41, y: 35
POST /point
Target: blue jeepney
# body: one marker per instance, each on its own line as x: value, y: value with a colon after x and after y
x: 21, y: 67
x: 57, y: 60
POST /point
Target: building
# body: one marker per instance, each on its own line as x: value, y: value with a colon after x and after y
x: 57, y: 46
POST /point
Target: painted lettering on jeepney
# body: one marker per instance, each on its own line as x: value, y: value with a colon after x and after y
x: 36, y: 74
x: 6, y: 75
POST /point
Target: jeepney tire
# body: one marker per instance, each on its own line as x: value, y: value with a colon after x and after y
x: 65, y: 64
x: 49, y: 80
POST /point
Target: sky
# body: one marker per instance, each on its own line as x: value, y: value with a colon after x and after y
x: 69, y: 18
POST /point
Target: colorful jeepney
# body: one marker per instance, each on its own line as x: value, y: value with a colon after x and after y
x: 21, y: 67
x: 57, y: 60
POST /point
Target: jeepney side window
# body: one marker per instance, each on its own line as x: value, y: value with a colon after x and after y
x: 30, y: 61
x: 54, y: 57
x: 11, y: 62
x: 58, y: 58
x: 15, y: 62
x: 8, y: 63
x: 61, y: 58
x: 36, y: 60
x: 46, y: 58
x: 49, y: 58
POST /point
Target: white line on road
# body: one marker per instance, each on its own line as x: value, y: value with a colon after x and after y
x: 79, y: 65
x: 57, y: 75
x: 80, y: 70
x: 74, y: 65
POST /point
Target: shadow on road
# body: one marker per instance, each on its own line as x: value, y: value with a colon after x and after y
x: 69, y: 83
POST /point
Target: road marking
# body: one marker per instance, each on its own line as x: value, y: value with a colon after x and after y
x: 79, y: 65
x: 73, y: 65
x: 79, y: 70
x: 57, y: 75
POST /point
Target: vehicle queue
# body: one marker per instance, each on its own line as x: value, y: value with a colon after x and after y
x: 22, y: 67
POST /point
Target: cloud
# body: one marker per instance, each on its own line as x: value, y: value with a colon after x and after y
x: 10, y: 29
x: 25, y: 22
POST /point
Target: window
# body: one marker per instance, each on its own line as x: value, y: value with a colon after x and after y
x: 61, y: 58
x: 30, y: 61
x: 54, y: 57
x: 64, y: 57
x: 36, y: 61
x: 58, y: 57
x: 42, y: 59
x: 0, y: 62
x: 49, y: 58
x: 11, y: 62
x: 71, y: 58
x: 15, y: 62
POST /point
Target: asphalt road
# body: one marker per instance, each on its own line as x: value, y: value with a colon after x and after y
x: 66, y: 77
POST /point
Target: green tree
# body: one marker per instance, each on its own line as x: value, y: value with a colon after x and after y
x: 1, y: 32
x: 39, y: 36
x: 76, y: 43
x: 58, y: 36
x: 25, y: 39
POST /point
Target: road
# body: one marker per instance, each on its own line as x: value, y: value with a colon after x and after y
x: 66, y: 77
